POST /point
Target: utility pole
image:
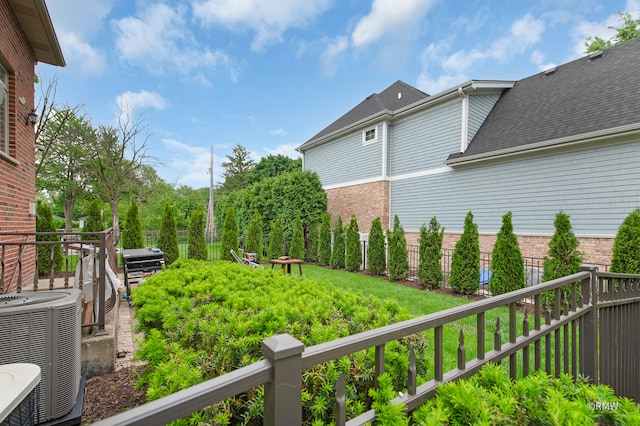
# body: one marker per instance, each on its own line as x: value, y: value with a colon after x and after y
x: 210, y: 228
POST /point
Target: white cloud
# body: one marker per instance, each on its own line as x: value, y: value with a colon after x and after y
x: 160, y: 40
x: 600, y: 29
x: 190, y: 164
x: 81, y: 17
x: 269, y: 19
x: 288, y: 150
x: 332, y: 54
x: 80, y: 54
x: 523, y: 33
x: 128, y: 101
x: 537, y: 58
x: 278, y: 132
x: 389, y: 17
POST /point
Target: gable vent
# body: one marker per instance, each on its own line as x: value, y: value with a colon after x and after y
x: 399, y: 95
x: 595, y: 55
x: 549, y: 72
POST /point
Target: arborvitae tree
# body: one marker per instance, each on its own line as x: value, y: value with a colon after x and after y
x: 564, y: 258
x: 311, y: 248
x: 430, y: 269
x: 507, y: 265
x: 168, y: 236
x: 376, y: 254
x: 324, y: 244
x: 229, y: 239
x: 297, y: 241
x: 465, y: 274
x: 276, y: 239
x: 48, y: 255
x: 337, y: 253
x: 353, y: 255
x: 94, y: 221
x: 398, y: 257
x: 254, y: 244
x: 132, y: 235
x: 626, y: 245
x: 197, y: 244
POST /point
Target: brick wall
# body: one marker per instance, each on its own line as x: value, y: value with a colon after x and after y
x: 366, y: 202
x: 17, y: 171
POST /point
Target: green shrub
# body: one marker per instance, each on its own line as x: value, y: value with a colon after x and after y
x: 337, y: 252
x: 204, y: 319
x: 353, y: 255
x: 132, y: 235
x: 197, y: 245
x: 491, y: 397
x: 626, y: 245
x: 564, y: 258
x: 398, y: 257
x: 168, y: 235
x: 276, y: 239
x: 94, y: 222
x: 507, y: 265
x: 324, y: 244
x: 49, y: 256
x: 297, y: 241
x: 254, y: 244
x: 429, y: 269
x: 376, y: 255
x: 465, y: 274
x: 311, y: 248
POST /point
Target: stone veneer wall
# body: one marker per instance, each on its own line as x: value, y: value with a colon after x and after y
x: 597, y: 250
x: 366, y: 201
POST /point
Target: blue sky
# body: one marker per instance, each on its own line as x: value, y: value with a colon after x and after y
x: 270, y: 74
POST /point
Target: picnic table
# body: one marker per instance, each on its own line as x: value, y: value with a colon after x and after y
x: 286, y: 262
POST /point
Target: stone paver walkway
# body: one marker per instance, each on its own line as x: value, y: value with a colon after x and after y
x: 126, y: 335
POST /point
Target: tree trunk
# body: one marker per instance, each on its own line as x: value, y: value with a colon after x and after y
x: 115, y: 218
x: 68, y: 214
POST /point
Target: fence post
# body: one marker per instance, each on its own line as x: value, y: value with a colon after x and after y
x: 283, y: 394
x: 589, y: 363
x: 102, y: 256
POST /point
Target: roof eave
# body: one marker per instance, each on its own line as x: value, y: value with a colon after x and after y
x: 377, y: 117
x: 36, y: 24
x: 471, y: 85
x: 622, y: 133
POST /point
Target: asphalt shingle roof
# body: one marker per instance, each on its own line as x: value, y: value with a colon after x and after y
x: 373, y: 104
x: 582, y: 96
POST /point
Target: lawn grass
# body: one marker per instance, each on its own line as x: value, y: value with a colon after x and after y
x: 417, y: 302
x: 422, y: 302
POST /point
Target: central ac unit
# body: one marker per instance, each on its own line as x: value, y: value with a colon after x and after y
x: 43, y: 328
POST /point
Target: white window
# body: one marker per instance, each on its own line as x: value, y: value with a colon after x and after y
x: 369, y: 136
x: 4, y: 111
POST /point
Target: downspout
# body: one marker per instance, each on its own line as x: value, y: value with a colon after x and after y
x: 385, y: 171
x: 464, y: 122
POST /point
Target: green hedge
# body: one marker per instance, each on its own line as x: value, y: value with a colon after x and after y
x: 202, y: 320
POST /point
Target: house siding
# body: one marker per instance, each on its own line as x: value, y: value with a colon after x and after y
x: 479, y: 107
x: 346, y: 159
x: 424, y: 140
x: 598, y: 188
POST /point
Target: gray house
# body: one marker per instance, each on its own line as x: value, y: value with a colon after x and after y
x: 567, y: 139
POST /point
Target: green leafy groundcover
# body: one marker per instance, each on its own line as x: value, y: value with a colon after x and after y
x: 202, y: 320
x: 492, y: 398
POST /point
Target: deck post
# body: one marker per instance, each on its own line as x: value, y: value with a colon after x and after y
x: 283, y: 394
